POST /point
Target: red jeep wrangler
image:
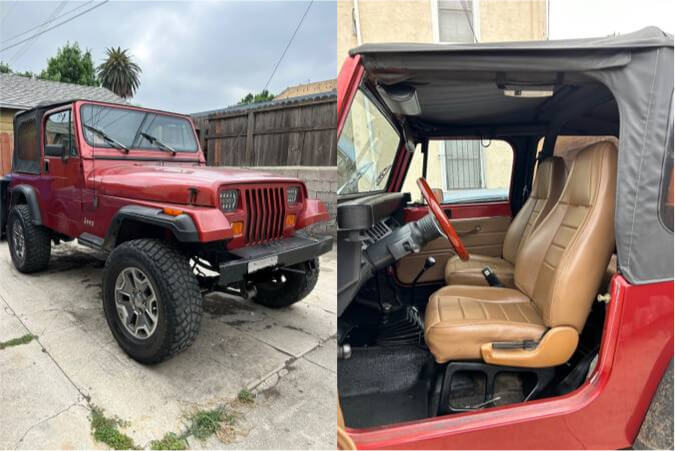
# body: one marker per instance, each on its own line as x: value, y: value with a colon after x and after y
x: 132, y: 182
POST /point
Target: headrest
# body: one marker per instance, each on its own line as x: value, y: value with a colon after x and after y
x: 588, y: 166
x: 550, y: 174
x: 567, y: 147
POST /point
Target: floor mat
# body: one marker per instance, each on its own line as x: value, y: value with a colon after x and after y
x: 385, y: 385
x: 380, y: 409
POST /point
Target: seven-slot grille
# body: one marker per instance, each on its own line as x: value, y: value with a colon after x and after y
x: 265, y: 213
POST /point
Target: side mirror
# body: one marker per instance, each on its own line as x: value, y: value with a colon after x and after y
x: 55, y: 150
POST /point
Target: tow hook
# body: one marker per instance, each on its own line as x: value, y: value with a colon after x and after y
x: 247, y: 292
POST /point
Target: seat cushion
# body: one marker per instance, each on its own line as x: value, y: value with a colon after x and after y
x: 458, y: 272
x: 461, y: 318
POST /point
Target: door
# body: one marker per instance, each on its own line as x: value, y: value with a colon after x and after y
x: 473, y: 179
x: 62, y: 169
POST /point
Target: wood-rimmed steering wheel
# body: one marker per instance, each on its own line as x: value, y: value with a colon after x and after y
x: 442, y: 220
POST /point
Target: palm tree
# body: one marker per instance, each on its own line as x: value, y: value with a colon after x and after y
x: 119, y: 73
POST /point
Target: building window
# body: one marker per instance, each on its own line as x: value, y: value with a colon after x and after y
x: 456, y: 21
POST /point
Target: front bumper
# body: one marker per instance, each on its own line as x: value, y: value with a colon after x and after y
x: 286, y: 252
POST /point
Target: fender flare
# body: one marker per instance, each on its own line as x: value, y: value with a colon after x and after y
x: 31, y: 200
x: 182, y: 226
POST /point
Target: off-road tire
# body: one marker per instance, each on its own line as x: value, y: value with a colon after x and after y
x: 179, y: 299
x: 37, y: 241
x: 296, y: 287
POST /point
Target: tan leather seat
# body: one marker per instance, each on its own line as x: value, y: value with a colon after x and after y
x: 545, y: 192
x: 557, y: 274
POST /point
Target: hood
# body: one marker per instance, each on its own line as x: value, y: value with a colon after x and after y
x: 172, y: 183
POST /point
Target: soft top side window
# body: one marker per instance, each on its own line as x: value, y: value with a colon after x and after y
x: 59, y: 129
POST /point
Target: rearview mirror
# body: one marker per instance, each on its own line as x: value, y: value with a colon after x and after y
x: 55, y: 150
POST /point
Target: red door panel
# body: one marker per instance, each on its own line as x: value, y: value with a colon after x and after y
x: 461, y: 211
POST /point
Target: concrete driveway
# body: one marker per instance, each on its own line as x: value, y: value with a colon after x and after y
x: 48, y: 386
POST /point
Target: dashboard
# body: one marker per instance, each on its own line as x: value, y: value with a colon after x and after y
x: 372, y: 236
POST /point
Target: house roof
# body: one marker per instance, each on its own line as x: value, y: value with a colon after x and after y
x: 22, y: 93
x: 308, y: 88
x: 272, y: 103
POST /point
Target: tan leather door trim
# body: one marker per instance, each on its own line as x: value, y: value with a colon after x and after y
x: 488, y: 240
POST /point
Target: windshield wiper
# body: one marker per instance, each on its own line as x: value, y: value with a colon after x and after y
x: 159, y: 143
x: 355, y: 177
x: 382, y: 173
x: 116, y: 144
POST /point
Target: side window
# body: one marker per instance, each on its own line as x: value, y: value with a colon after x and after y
x: 464, y: 171
x: 27, y: 153
x: 59, y: 129
x: 666, y: 203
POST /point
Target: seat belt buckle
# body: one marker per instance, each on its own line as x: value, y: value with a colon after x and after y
x: 491, y: 277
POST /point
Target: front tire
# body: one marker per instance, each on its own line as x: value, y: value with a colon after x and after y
x: 151, y: 300
x: 30, y: 245
x: 284, y: 288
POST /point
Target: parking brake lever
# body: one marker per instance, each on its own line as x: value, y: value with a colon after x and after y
x: 428, y: 263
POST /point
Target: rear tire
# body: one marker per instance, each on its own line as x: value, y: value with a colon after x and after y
x: 30, y: 245
x: 284, y: 288
x: 172, y: 288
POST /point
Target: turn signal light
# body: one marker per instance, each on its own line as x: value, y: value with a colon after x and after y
x: 290, y: 220
x: 238, y: 228
x: 172, y: 211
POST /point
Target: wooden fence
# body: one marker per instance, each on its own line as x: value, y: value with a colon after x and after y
x: 289, y: 132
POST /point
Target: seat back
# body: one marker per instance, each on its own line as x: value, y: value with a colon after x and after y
x: 561, y: 265
x: 546, y: 188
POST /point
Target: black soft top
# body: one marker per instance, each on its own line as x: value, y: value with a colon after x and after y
x: 619, y: 85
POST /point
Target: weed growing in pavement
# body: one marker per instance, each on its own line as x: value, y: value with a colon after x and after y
x: 246, y: 396
x: 169, y: 441
x: 17, y: 341
x: 205, y: 423
x: 106, y: 430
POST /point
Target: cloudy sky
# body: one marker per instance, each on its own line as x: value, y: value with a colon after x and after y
x: 195, y: 56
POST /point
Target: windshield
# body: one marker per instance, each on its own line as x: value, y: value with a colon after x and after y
x: 366, y: 148
x: 106, y: 126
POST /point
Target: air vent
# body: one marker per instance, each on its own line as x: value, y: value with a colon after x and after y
x: 378, y: 231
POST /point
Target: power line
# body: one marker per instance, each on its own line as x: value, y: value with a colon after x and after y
x: 48, y: 21
x: 54, y: 26
x: 290, y: 41
x: 22, y: 50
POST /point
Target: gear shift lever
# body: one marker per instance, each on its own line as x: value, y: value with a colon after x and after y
x: 428, y: 263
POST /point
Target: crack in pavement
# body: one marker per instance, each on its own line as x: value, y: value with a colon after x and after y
x: 285, y: 367
x: 76, y: 403
x: 37, y: 339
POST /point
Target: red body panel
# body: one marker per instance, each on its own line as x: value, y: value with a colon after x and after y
x: 150, y: 178
x: 605, y: 412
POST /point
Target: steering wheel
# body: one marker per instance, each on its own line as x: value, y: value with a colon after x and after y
x: 442, y: 220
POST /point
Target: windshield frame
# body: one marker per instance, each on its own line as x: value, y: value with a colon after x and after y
x: 373, y: 98
x: 143, y: 148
